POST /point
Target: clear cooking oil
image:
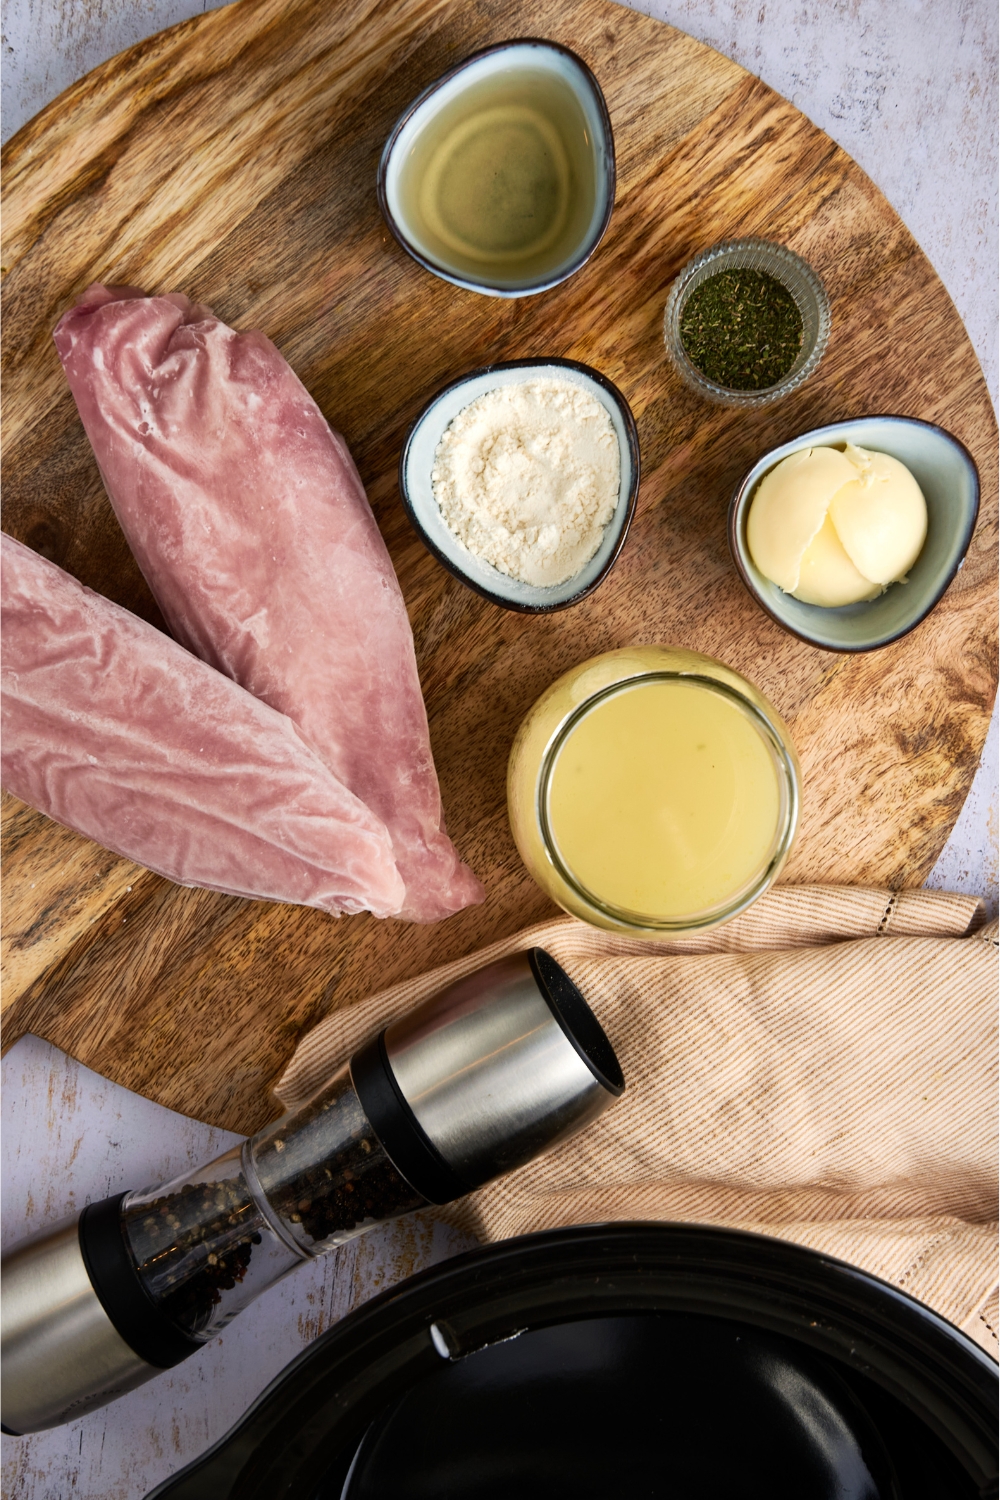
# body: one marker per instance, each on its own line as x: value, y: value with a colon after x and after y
x: 501, y: 183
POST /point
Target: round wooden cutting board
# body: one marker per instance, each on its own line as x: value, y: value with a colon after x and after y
x: 234, y: 158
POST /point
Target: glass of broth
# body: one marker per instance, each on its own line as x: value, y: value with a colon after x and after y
x: 653, y: 791
x: 500, y: 177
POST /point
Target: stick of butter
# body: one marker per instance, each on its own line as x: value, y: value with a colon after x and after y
x: 834, y: 527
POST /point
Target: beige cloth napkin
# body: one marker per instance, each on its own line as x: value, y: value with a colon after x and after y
x: 822, y: 1069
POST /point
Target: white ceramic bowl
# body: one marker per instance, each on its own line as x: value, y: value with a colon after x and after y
x: 417, y: 461
x: 527, y: 54
x: 949, y: 479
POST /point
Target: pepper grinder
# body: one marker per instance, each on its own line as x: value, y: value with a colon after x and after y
x: 476, y: 1081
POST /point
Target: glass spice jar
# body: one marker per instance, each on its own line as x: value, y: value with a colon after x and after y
x: 792, y: 273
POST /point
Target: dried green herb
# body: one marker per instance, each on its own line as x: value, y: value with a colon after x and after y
x: 742, y: 329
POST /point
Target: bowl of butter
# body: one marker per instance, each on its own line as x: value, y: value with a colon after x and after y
x: 849, y: 535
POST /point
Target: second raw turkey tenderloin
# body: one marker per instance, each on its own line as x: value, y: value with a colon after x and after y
x: 247, y: 516
x: 113, y: 729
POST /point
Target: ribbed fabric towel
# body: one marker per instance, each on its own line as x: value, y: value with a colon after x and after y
x: 823, y: 1069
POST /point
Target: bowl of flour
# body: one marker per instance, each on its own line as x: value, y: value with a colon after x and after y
x: 521, y: 479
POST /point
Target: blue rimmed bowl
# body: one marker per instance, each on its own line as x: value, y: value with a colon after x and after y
x: 949, y: 479
x: 416, y: 464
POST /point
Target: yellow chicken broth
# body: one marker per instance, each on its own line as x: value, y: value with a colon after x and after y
x: 664, y: 800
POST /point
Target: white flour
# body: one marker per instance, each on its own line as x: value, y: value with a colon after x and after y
x: 527, y: 478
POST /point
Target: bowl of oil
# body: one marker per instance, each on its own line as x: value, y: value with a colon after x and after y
x: 500, y: 177
x: 653, y: 791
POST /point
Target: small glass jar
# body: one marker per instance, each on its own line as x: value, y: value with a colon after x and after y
x: 772, y: 260
x: 745, y: 730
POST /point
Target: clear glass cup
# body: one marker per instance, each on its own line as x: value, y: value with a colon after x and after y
x: 795, y: 274
x: 546, y: 730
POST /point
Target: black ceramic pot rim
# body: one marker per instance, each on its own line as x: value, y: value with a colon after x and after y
x: 632, y: 436
x: 808, y: 640
x: 319, y: 1406
x: 589, y: 246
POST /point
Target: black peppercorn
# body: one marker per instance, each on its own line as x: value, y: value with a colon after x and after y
x: 325, y: 1181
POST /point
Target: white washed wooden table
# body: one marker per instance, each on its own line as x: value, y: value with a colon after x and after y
x: 909, y: 89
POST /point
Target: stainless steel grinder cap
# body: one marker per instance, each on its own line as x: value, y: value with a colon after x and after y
x: 486, y: 1074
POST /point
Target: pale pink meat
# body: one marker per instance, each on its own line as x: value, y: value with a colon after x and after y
x: 113, y: 729
x: 248, y: 518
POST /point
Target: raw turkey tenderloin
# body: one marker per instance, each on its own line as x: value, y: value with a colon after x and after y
x: 251, y: 525
x: 112, y: 729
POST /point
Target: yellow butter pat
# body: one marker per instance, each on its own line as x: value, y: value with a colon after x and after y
x: 836, y: 527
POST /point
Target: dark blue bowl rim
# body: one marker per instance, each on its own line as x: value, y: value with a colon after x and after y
x: 966, y: 540
x: 442, y: 271
x: 328, y: 1395
x: 631, y: 432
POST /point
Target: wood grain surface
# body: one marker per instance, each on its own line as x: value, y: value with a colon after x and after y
x: 234, y: 158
